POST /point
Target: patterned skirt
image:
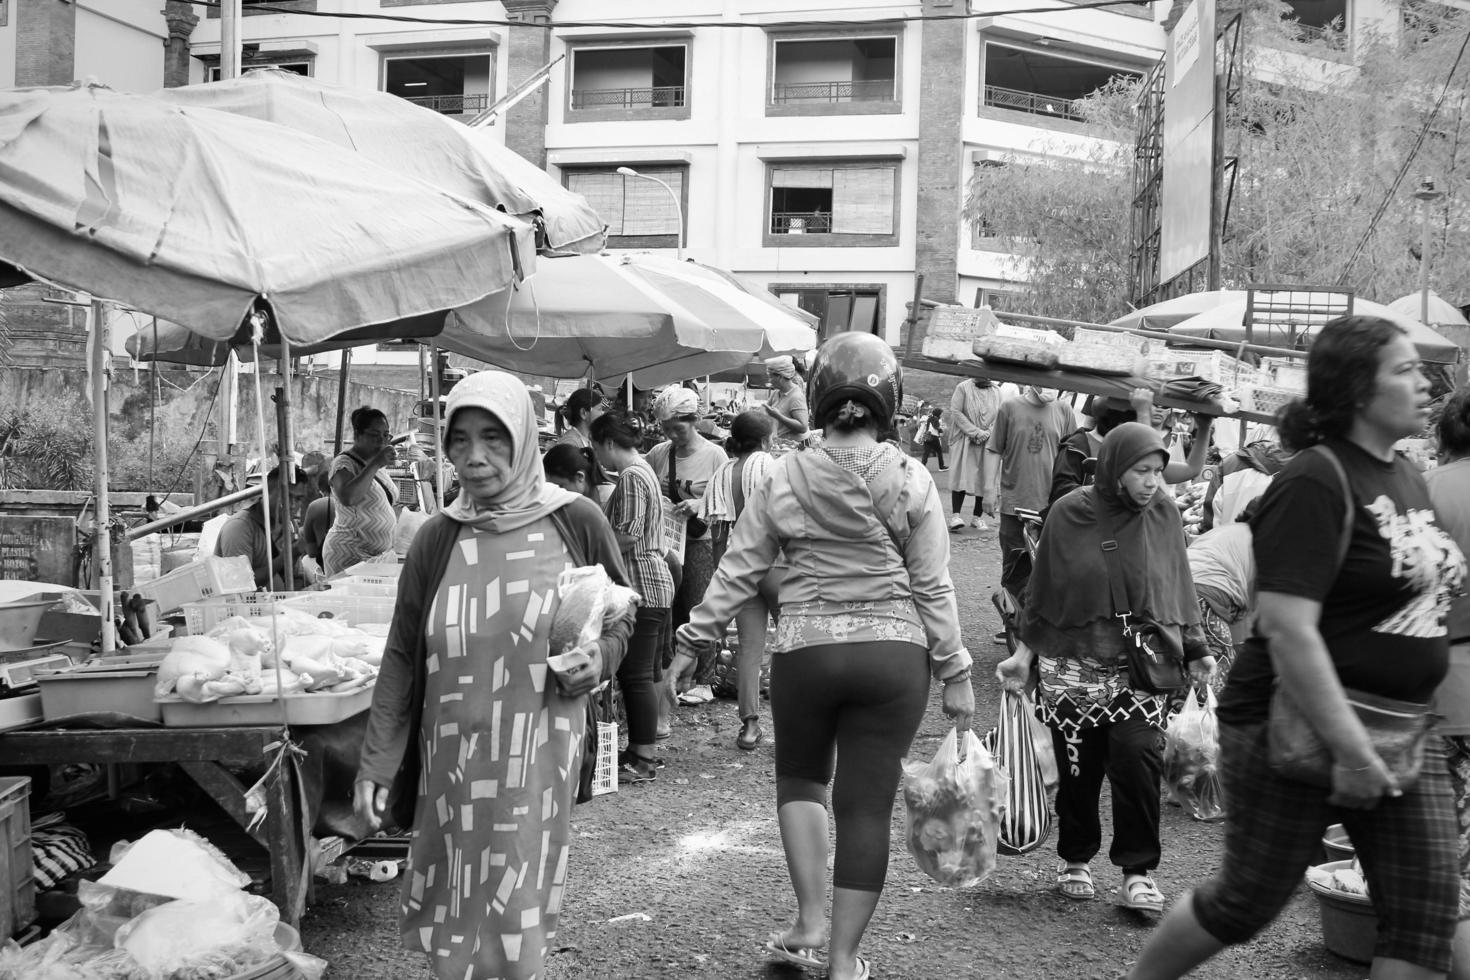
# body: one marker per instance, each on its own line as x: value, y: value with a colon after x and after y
x: 1081, y: 693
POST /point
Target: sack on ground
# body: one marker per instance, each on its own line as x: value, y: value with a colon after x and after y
x: 1025, y: 821
x: 1191, y: 745
x: 953, y: 810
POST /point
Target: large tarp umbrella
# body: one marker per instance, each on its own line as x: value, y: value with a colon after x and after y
x: 606, y: 316
x: 199, y: 217
x: 408, y: 139
x: 1226, y: 322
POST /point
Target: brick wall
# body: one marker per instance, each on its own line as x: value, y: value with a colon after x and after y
x: 941, y: 109
x: 527, y: 50
x: 45, y: 42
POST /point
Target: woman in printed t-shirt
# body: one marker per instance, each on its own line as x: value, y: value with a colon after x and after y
x: 1376, y: 625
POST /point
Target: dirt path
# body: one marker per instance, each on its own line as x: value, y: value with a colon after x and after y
x: 685, y: 877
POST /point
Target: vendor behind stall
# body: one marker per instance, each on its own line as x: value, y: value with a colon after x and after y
x: 244, y: 533
x: 362, y: 494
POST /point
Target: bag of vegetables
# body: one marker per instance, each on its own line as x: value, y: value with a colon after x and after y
x: 1191, y: 744
x: 953, y: 811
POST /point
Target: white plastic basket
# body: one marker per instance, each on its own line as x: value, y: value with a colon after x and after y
x: 202, y: 616
x: 199, y: 580
x: 352, y: 610
x: 605, y: 776
x: 371, y: 572
x: 365, y: 585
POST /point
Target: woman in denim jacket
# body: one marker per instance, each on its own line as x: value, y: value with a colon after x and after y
x: 868, y: 615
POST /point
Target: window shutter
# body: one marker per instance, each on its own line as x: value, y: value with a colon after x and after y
x: 650, y: 209
x: 802, y: 177
x: 604, y: 193
x: 862, y: 201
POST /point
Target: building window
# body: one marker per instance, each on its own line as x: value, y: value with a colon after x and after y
x: 838, y: 307
x: 211, y: 73
x: 639, y: 213
x: 454, y: 84
x: 1320, y: 21
x: 847, y: 74
x: 1026, y: 80
x: 825, y: 204
x: 649, y: 81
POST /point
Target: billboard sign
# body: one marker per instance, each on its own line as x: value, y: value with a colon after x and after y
x: 1186, y: 220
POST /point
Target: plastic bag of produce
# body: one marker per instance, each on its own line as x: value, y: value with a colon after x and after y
x: 1025, y: 822
x: 953, y: 811
x: 1191, y: 745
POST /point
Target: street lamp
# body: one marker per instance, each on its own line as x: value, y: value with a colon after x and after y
x: 678, y: 206
x: 1425, y: 195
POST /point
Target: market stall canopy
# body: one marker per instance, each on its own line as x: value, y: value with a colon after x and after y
x: 1442, y: 313
x: 1163, y: 315
x: 1226, y: 322
x: 608, y: 315
x: 408, y: 139
x: 199, y: 217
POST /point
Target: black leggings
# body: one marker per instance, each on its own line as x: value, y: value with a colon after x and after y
x: 636, y: 674
x: 861, y: 702
x: 957, y: 502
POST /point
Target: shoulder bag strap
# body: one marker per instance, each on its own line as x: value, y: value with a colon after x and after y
x: 737, y: 486
x: 1345, y: 539
x: 1121, y: 606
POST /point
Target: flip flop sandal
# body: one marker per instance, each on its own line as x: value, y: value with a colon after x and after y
x: 1141, y: 894
x: 1075, y: 883
x: 807, y: 956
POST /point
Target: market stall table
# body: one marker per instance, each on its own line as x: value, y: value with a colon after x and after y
x: 1080, y: 381
x: 203, y: 753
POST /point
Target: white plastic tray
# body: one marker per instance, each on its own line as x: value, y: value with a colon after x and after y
x: 321, y: 708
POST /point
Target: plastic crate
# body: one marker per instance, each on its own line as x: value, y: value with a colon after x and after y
x: 202, y: 616
x: 121, y: 684
x: 371, y: 572
x: 199, y: 580
x: 17, y: 873
x: 352, y: 585
x: 605, y: 775
x: 1266, y: 399
x: 319, y: 708
x: 1120, y: 340
x: 1216, y: 366
x: 353, y: 610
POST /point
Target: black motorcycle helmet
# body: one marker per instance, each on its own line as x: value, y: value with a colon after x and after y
x: 858, y: 367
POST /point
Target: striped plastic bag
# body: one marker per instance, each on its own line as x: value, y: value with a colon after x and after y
x: 1025, y: 821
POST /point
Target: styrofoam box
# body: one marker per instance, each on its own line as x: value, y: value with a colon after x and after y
x: 320, y: 708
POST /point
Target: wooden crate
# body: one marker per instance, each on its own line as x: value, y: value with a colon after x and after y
x: 17, y: 872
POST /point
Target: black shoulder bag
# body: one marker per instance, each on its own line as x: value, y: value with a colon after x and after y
x: 1154, y: 651
x: 696, y: 525
x: 1396, y: 728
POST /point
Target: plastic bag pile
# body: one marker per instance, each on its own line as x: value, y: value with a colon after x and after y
x: 171, y: 908
x: 953, y: 810
x: 239, y: 657
x: 1191, y: 744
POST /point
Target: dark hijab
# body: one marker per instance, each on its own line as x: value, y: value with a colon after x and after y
x: 1069, y: 583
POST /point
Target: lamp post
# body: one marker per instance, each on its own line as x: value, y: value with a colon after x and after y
x: 1425, y: 195
x: 678, y: 206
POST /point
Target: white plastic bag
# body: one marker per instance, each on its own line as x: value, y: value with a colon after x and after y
x: 953, y: 811
x: 229, y: 934
x: 1191, y: 746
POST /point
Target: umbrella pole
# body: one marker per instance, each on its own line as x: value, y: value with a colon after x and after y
x: 438, y: 427
x: 287, y: 458
x: 342, y: 377
x: 102, y: 539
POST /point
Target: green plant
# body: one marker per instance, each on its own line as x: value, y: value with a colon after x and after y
x: 41, y: 447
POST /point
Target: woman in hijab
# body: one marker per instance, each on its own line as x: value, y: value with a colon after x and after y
x: 1069, y: 629
x: 471, y: 742
x: 684, y: 463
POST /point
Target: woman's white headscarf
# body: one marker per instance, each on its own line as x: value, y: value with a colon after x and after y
x: 526, y: 496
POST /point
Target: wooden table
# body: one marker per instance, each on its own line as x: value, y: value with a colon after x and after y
x: 1088, y: 384
x: 203, y: 753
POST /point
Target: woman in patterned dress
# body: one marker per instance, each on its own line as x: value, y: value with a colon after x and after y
x: 1101, y: 726
x: 471, y: 741
x: 363, y: 497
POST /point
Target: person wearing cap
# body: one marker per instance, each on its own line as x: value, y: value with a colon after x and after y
x: 472, y: 742
x: 788, y: 408
x: 684, y: 463
x: 868, y: 617
x: 243, y: 535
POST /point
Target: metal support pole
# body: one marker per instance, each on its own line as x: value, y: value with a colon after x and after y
x: 102, y: 539
x: 439, y: 487
x: 346, y: 370
x: 286, y: 459
x: 229, y: 39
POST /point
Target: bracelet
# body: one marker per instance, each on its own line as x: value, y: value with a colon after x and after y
x: 955, y: 679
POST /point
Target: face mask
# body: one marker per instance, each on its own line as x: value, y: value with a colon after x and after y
x: 1041, y: 396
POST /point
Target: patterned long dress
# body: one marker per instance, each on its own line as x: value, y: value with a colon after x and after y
x: 501, y: 751
x: 361, y: 531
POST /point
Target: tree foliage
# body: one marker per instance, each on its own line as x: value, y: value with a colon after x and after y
x: 1321, y: 142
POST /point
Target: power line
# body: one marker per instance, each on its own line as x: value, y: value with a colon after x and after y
x: 678, y: 25
x: 1404, y: 169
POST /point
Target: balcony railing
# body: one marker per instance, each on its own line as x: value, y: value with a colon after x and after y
x: 1041, y: 105
x: 452, y: 105
x: 870, y: 91
x: 800, y: 223
x: 1329, y: 35
x: 658, y: 97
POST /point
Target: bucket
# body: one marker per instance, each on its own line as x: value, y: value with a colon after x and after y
x: 1336, y: 845
x: 1349, y: 924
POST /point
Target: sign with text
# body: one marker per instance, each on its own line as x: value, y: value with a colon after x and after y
x: 38, y: 549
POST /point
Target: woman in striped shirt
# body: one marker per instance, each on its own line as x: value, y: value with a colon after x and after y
x: 635, y: 511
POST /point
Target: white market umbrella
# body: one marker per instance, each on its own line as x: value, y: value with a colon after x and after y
x: 606, y: 316
x: 411, y: 140
x: 1442, y: 313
